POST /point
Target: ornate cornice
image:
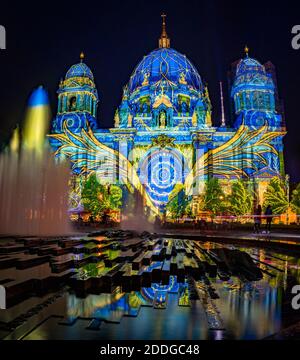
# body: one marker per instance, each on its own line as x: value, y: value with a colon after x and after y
x: 163, y: 141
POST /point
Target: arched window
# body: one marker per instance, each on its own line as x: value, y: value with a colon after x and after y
x: 72, y: 103
x: 184, y: 107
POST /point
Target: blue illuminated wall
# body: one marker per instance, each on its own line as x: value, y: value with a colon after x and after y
x: 163, y: 134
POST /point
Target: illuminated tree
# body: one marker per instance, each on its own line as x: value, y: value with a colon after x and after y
x: 179, y: 202
x: 115, y: 196
x: 92, y: 196
x: 214, y: 198
x: 276, y: 196
x: 98, y: 198
x: 295, y: 202
x: 241, y: 199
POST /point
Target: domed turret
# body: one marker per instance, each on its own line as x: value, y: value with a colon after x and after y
x: 77, y: 99
x: 253, y: 87
x: 80, y: 70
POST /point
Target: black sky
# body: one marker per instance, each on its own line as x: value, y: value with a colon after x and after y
x: 45, y: 39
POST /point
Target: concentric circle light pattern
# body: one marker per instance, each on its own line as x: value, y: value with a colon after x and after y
x: 160, y: 171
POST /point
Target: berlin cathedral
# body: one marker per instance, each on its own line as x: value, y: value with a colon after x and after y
x: 163, y: 131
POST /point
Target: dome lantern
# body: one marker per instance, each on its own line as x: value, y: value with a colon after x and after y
x: 81, y: 56
x: 164, y: 40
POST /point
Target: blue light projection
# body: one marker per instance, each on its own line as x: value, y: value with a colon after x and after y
x: 163, y: 133
x: 160, y: 171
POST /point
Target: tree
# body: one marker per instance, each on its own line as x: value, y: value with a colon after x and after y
x: 91, y: 196
x: 276, y: 196
x: 295, y: 202
x: 214, y: 198
x: 115, y: 196
x: 98, y: 198
x: 179, y: 202
x: 241, y: 199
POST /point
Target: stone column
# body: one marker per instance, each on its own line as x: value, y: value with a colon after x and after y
x: 200, y: 147
x: 123, y: 144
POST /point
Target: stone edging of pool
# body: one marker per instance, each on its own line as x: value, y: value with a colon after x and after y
x: 269, y: 242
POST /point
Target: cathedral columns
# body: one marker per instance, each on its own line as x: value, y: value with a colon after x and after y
x: 65, y: 103
x: 200, y: 147
x: 90, y: 104
x: 124, y: 145
x: 94, y: 108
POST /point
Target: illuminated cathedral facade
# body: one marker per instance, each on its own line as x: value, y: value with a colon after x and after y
x: 163, y: 132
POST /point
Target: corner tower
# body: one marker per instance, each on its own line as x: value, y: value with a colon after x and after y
x: 253, y: 94
x: 255, y: 99
x: 77, y: 99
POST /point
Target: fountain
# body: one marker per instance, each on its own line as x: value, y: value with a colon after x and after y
x: 33, y: 185
x: 133, y: 214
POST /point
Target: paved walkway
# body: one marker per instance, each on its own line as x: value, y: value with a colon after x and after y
x: 285, y: 239
x: 276, y: 235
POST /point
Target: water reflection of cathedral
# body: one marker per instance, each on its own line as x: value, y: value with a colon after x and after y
x: 163, y: 132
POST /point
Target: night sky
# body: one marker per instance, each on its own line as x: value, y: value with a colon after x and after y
x: 44, y: 40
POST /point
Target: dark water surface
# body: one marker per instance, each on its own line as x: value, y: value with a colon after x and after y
x: 244, y: 310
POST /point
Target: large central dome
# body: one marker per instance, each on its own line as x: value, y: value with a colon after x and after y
x: 165, y: 65
x: 164, y: 91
